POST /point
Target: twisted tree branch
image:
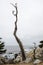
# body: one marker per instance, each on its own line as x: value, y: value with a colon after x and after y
x: 16, y: 37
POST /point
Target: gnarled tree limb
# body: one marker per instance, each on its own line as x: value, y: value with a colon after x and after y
x: 16, y: 37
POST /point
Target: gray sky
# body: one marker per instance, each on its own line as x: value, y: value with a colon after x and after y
x: 30, y: 21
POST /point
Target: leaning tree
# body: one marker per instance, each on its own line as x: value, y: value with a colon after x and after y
x: 15, y: 31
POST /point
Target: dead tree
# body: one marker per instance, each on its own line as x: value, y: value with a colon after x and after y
x: 16, y: 37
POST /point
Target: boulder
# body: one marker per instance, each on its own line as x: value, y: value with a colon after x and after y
x: 10, y: 61
x: 28, y: 60
x: 1, y: 62
x: 38, y: 55
x: 37, y: 61
x: 5, y: 61
x: 18, y: 59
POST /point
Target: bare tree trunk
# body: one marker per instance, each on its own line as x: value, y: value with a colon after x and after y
x: 16, y: 37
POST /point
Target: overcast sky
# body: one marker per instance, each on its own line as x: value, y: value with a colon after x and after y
x: 30, y: 21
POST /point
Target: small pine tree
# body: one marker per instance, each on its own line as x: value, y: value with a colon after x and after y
x: 41, y: 45
x: 2, y: 50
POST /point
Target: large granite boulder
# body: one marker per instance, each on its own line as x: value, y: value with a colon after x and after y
x: 37, y: 61
x: 28, y: 60
x: 18, y: 59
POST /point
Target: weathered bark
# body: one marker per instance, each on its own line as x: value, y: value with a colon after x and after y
x: 16, y: 37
